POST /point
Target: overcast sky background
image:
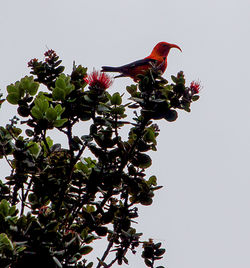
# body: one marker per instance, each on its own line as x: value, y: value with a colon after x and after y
x: 202, y: 215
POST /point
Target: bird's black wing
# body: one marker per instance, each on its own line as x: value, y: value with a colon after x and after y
x: 125, y: 68
x: 138, y: 63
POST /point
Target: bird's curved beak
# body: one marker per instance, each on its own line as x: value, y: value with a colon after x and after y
x: 173, y: 45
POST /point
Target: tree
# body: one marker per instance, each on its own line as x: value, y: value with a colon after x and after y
x: 58, y: 200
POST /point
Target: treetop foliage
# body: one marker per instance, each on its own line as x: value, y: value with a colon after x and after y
x: 57, y: 201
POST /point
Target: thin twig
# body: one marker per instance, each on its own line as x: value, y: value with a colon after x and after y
x: 45, y: 141
x: 7, y: 160
x: 25, y: 197
x: 105, y: 254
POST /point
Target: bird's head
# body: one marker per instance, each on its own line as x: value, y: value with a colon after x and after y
x: 163, y: 48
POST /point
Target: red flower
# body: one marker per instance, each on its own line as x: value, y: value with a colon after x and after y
x: 99, y: 80
x: 195, y: 86
x: 32, y: 62
x: 50, y: 53
x: 50, y: 56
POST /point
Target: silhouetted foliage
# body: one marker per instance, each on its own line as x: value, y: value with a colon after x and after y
x: 69, y: 197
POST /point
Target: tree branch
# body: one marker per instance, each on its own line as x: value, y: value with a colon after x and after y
x: 106, y: 252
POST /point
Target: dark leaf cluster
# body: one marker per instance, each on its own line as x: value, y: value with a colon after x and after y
x: 67, y: 199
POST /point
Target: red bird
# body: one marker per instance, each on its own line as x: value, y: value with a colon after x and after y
x: 158, y: 58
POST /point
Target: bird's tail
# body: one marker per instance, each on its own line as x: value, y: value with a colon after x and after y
x: 110, y: 69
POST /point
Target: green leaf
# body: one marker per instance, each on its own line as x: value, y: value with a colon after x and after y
x: 33, y: 88
x: 195, y: 97
x: 118, y: 110
x: 125, y: 260
x: 131, y: 89
x: 27, y: 84
x: 174, y: 79
x: 134, y: 106
x: 89, y: 239
x: 12, y: 89
x: 13, y: 98
x: 56, y: 147
x: 101, y: 230
x: 90, y: 265
x: 58, y: 108
x: 90, y: 208
x: 49, y: 141
x: 34, y: 148
x: 138, y: 100
x: 149, y: 136
x: 159, y: 252
x: 20, y: 249
x: 85, y: 250
x: 87, y: 138
x: 36, y: 113
x: 17, y: 89
x: 79, y: 165
x: 156, y: 188
x: 60, y: 83
x: 148, y: 262
x: 116, y: 99
x: 152, y: 181
x: 58, y: 93
x: 5, y: 243
x: 171, y: 115
x: 41, y: 103
x: 103, y: 108
x: 142, y: 160
x: 4, y: 208
x: 12, y: 210
x: 85, y: 116
x: 60, y: 122
x: 16, y: 131
x: 69, y: 88
x: 62, y: 87
x: 157, y: 246
x: 23, y: 110
x: 51, y: 114
x: 29, y: 132
x: 60, y: 69
x: 146, y: 201
x: 84, y: 233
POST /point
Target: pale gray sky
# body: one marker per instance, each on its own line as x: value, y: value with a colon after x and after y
x: 202, y: 215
